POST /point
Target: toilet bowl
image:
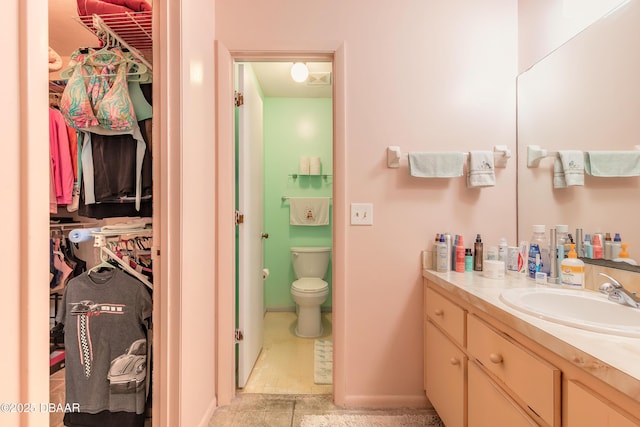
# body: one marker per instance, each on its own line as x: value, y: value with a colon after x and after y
x: 309, y: 291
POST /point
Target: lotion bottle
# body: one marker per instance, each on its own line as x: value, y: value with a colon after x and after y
x: 597, y: 247
x: 616, y: 246
x: 468, y: 260
x: 573, y: 270
x: 444, y: 256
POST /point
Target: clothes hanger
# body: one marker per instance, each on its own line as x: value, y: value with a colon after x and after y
x: 104, y: 264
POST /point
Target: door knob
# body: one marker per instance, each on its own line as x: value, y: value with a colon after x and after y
x: 265, y: 235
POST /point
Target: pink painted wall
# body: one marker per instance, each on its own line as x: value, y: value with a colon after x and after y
x: 425, y: 76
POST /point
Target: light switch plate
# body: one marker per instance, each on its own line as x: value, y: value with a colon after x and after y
x: 361, y: 213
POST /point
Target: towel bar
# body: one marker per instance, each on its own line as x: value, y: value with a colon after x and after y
x: 501, y: 155
x: 535, y: 153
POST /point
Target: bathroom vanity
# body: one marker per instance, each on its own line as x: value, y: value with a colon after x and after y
x: 488, y: 364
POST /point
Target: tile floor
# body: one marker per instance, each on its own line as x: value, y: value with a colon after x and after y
x: 285, y: 365
x: 280, y: 390
x: 280, y: 410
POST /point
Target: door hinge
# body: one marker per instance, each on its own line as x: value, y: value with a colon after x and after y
x: 238, y: 335
x: 239, y: 218
x: 239, y: 98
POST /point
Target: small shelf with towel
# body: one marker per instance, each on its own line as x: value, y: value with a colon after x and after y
x: 501, y: 155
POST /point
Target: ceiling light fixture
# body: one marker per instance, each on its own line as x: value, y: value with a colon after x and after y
x: 299, y: 72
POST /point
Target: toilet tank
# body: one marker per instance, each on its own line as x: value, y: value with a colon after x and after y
x: 310, y: 261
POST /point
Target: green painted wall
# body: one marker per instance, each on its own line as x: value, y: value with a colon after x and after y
x: 292, y: 128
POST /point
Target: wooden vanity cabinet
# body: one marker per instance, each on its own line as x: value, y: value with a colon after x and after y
x: 445, y: 368
x: 489, y: 406
x: 585, y: 408
x: 476, y: 376
x: 528, y: 377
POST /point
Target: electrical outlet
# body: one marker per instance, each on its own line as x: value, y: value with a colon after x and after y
x: 361, y: 213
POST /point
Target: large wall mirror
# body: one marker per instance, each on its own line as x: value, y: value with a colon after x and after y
x: 583, y: 96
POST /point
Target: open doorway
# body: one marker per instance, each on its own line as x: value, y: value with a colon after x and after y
x: 281, y: 127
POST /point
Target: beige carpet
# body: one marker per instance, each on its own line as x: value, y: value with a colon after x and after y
x: 348, y: 420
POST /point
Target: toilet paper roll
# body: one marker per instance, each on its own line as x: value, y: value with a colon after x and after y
x: 265, y: 273
x: 303, y: 165
x: 315, y: 166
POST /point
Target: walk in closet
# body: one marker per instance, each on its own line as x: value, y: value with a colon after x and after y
x: 101, y: 212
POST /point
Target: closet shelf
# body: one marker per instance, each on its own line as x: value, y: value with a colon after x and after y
x: 132, y: 30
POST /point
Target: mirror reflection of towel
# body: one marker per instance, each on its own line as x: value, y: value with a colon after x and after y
x: 309, y: 211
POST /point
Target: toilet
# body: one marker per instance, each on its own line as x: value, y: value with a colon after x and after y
x: 309, y: 291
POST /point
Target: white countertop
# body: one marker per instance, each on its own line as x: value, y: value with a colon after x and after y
x: 586, y: 349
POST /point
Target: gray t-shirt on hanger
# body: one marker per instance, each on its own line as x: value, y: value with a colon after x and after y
x: 105, y: 317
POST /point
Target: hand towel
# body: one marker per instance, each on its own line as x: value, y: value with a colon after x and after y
x: 436, y: 164
x: 559, y: 180
x: 568, y: 169
x: 480, y: 172
x: 309, y: 211
x: 613, y: 163
x: 315, y: 166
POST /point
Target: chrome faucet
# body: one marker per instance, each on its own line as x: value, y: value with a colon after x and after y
x: 618, y: 293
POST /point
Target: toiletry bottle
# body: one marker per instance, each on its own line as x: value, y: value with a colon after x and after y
x: 573, y: 270
x: 579, y: 243
x: 444, y: 263
x: 502, y: 251
x: 597, y: 247
x: 624, y: 255
x: 539, y: 259
x: 588, y: 248
x: 562, y: 240
x: 554, y: 266
x: 454, y: 260
x: 468, y: 260
x: 435, y: 251
x: 477, y: 254
x: 616, y: 246
x: 460, y: 255
x: 607, y: 246
x: 448, y: 239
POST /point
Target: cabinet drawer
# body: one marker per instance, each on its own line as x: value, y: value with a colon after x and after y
x: 446, y: 315
x: 533, y: 380
x: 445, y: 366
x: 586, y: 409
x: 489, y: 406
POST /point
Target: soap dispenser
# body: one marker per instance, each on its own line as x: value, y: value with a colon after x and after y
x: 572, y: 269
x: 624, y: 255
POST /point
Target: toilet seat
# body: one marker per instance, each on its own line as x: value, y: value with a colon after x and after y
x: 309, y: 285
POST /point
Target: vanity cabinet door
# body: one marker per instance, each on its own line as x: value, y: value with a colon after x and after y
x: 531, y: 378
x: 586, y: 409
x: 445, y: 366
x: 489, y: 406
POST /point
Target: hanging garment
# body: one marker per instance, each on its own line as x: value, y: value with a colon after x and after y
x: 105, y: 317
x: 61, y: 164
x: 102, y: 107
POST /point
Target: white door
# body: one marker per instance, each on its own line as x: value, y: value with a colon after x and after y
x: 250, y: 232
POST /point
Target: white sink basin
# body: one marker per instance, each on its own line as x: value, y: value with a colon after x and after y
x: 578, y: 308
